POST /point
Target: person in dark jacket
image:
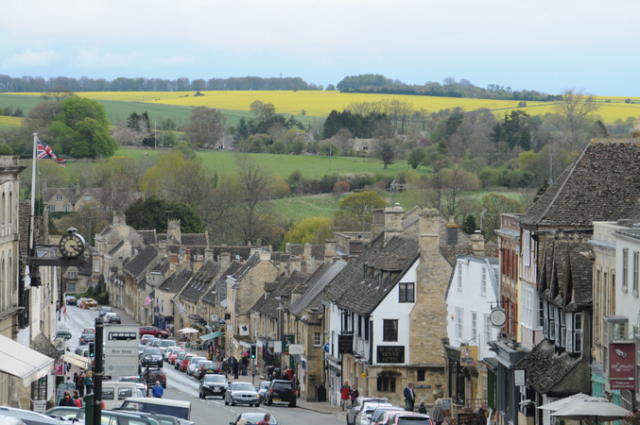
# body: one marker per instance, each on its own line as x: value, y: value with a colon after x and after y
x: 422, y: 409
x: 67, y: 400
x: 81, y: 384
x: 235, y: 365
x: 409, y: 397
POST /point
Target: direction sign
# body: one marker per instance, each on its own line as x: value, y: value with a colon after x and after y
x: 64, y: 334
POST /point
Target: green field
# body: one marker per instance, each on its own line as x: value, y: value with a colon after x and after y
x: 294, y: 209
x: 119, y: 110
x: 311, y: 166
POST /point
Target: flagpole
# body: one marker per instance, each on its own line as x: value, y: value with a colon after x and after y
x: 33, y: 194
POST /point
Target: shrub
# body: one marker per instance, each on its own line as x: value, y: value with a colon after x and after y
x: 340, y: 188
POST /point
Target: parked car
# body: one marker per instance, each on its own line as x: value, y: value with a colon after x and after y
x: 83, y: 351
x: 88, y: 303
x: 148, y: 330
x: 115, y: 392
x: 263, y: 388
x: 365, y: 415
x: 252, y: 418
x: 174, y: 355
x: 360, y: 402
x: 182, y: 367
x: 86, y: 339
x: 27, y: 416
x: 206, y: 367
x: 71, y: 300
x: 384, y: 416
x: 77, y: 415
x: 410, y: 418
x: 162, y: 333
x: 140, y: 384
x: 155, y: 374
x: 213, y: 385
x: 151, y: 357
x: 379, y: 413
x: 281, y: 391
x: 178, y: 408
x: 169, y: 351
x: 165, y: 344
x: 241, y: 393
x: 193, y: 364
x: 104, y: 310
x: 178, y: 360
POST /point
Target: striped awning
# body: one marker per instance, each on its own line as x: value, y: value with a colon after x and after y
x: 212, y: 335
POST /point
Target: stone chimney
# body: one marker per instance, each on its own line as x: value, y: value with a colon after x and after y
x: 115, y: 220
x: 265, y: 255
x: 295, y: 264
x: 392, y: 222
x: 329, y: 249
x: 225, y: 260
x: 477, y: 244
x: 208, y: 254
x: 429, y: 233
x: 173, y: 230
x: 77, y: 187
x: 307, y: 251
x: 162, y: 249
x: 377, y: 224
x: 287, y: 247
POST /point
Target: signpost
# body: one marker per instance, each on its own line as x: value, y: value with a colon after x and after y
x: 121, y: 350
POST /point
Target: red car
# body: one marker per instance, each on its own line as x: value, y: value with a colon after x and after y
x: 153, y: 331
x: 174, y: 355
x: 185, y: 361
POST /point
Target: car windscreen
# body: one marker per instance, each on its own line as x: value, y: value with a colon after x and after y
x: 283, y: 386
x: 254, y: 418
x: 215, y: 379
x: 242, y: 386
x: 152, y: 351
x: 159, y: 408
x: 409, y: 420
x: 168, y: 344
x: 265, y: 384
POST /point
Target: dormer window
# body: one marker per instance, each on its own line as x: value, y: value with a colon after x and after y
x: 58, y: 197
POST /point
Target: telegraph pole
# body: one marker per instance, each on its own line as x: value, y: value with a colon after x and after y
x: 98, y: 372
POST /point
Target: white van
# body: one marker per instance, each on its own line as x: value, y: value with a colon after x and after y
x: 115, y: 392
x: 161, y: 406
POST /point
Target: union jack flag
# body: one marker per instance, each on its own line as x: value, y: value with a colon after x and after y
x: 45, y: 152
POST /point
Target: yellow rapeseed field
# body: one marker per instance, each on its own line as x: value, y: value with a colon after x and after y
x: 321, y: 103
x: 10, y: 121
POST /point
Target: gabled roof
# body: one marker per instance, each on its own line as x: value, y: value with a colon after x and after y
x: 116, y: 247
x: 198, y: 239
x: 317, y: 251
x: 566, y: 277
x: 138, y: 264
x: 313, y: 296
x: 70, y: 194
x: 269, y: 306
x: 490, y: 264
x: 176, y: 281
x: 349, y: 289
x: 201, y: 282
x: 148, y: 236
x: 218, y: 292
x: 254, y: 260
x: 602, y: 184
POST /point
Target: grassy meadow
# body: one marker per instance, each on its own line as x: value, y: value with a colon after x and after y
x: 235, y: 104
x: 8, y: 122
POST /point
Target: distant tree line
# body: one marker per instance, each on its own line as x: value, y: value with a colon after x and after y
x: 376, y: 83
x: 40, y: 84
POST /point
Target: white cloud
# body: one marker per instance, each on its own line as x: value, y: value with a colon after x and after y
x: 29, y: 58
x: 177, y: 60
x: 93, y: 57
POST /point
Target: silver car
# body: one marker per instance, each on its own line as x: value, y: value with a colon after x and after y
x: 360, y: 402
x: 241, y: 393
x: 164, y: 344
x: 191, y: 367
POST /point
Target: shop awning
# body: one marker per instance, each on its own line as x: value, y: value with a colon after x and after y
x: 23, y: 362
x: 75, y: 360
x: 212, y: 335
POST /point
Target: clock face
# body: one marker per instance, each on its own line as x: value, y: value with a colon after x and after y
x: 71, y: 245
x: 498, y: 317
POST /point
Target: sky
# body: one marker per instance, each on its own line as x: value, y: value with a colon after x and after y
x: 539, y: 45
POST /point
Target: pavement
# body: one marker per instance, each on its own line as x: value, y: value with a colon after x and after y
x: 313, y: 406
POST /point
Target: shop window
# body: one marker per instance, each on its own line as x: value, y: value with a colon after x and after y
x: 387, y: 382
x: 421, y: 375
x: 390, y: 330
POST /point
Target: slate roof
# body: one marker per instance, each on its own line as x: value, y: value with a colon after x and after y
x: 201, y: 282
x: 70, y: 194
x: 148, y: 236
x: 602, y: 184
x: 116, y: 248
x: 349, y: 288
x: 317, y: 251
x: 176, y: 281
x: 268, y: 296
x: 140, y: 262
x: 239, y: 253
x: 319, y: 280
x: 284, y: 289
x: 162, y: 267
x: 246, y: 266
x: 199, y: 239
x: 545, y: 370
x: 218, y: 292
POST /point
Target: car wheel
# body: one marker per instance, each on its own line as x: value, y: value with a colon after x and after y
x: 233, y: 403
x: 269, y: 402
x: 258, y: 405
x: 200, y: 395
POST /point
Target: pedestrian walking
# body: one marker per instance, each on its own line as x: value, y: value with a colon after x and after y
x: 81, y: 383
x: 422, y: 409
x: 157, y: 391
x: 344, y: 395
x: 354, y: 394
x: 89, y: 383
x: 236, y: 367
x: 245, y: 365
x: 437, y: 416
x: 75, y: 378
x: 409, y: 397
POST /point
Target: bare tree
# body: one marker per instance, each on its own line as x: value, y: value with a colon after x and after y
x: 457, y: 181
x: 205, y: 127
x: 127, y: 136
x: 575, y: 107
x: 341, y: 138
